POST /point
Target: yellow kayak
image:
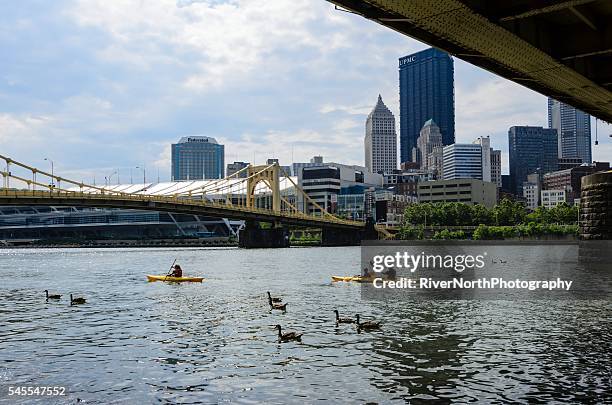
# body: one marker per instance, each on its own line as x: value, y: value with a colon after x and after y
x: 175, y: 279
x: 356, y: 279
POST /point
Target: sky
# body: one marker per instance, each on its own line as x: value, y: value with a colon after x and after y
x: 101, y: 86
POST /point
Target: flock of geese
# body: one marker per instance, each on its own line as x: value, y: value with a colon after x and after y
x: 73, y: 301
x: 276, y: 304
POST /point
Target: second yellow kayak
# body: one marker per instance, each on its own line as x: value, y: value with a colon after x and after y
x: 175, y: 279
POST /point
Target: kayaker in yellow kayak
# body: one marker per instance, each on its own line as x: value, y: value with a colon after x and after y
x: 176, y: 271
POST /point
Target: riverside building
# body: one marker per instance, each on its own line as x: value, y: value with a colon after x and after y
x: 197, y: 158
x: 236, y: 167
x: 531, y: 149
x: 337, y: 188
x: 469, y: 191
x: 463, y: 161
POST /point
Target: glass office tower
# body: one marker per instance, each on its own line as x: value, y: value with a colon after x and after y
x: 573, y: 129
x: 532, y: 149
x: 426, y: 92
x: 197, y: 158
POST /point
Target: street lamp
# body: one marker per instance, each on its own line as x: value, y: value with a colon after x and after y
x: 109, y: 178
x: 52, y: 176
x: 144, y: 173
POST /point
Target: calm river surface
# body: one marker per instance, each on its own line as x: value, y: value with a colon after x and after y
x: 138, y: 342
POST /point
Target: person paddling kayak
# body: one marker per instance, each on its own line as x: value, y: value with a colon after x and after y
x: 176, y: 271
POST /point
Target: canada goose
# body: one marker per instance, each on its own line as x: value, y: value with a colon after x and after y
x: 503, y: 261
x: 288, y: 336
x: 52, y: 296
x: 76, y: 301
x: 279, y: 307
x: 342, y: 320
x: 274, y: 299
x: 369, y: 325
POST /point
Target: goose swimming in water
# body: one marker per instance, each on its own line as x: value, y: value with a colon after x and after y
x: 52, y: 296
x: 288, y: 336
x: 76, y: 301
x: 342, y: 320
x: 277, y: 306
x: 369, y: 325
x: 274, y: 299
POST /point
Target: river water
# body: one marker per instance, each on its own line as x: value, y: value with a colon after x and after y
x: 215, y: 342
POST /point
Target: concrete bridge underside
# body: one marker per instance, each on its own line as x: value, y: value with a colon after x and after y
x: 560, y: 48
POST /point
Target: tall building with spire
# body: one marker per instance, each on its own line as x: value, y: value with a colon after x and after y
x: 573, y: 130
x: 380, y: 139
x: 429, y: 137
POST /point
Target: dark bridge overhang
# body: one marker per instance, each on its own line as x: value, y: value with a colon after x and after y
x: 560, y: 48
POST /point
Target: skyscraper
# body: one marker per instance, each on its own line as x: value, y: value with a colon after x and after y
x: 426, y: 92
x: 429, y: 137
x: 197, y: 158
x: 496, y: 165
x: 491, y: 161
x: 236, y: 167
x: 573, y: 130
x: 485, y: 143
x: 380, y: 140
x: 463, y: 161
x: 531, y: 149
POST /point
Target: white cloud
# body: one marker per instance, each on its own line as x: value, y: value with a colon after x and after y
x: 221, y: 42
x: 288, y: 147
x: 494, y: 106
x: 286, y: 78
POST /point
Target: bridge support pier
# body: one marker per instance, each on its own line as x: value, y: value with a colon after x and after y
x: 348, y: 237
x: 253, y: 236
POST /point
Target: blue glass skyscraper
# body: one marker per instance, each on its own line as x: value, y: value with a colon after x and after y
x: 426, y: 92
x: 531, y: 149
x: 197, y: 158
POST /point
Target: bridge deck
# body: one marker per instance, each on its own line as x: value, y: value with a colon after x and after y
x: 170, y: 204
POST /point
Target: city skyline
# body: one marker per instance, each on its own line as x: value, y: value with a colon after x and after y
x: 163, y: 70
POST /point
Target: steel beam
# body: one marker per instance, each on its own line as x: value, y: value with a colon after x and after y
x: 476, y: 37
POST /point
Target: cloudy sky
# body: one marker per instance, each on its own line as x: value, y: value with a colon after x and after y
x: 99, y: 85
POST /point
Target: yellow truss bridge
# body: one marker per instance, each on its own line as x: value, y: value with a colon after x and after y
x: 255, y: 194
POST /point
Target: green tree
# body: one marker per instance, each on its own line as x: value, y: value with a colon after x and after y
x: 563, y: 214
x: 509, y: 213
x: 481, y: 215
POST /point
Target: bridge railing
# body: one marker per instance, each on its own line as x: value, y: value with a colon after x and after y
x: 50, y: 195
x: 224, y: 192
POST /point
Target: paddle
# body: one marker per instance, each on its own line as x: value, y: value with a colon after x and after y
x: 169, y: 272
